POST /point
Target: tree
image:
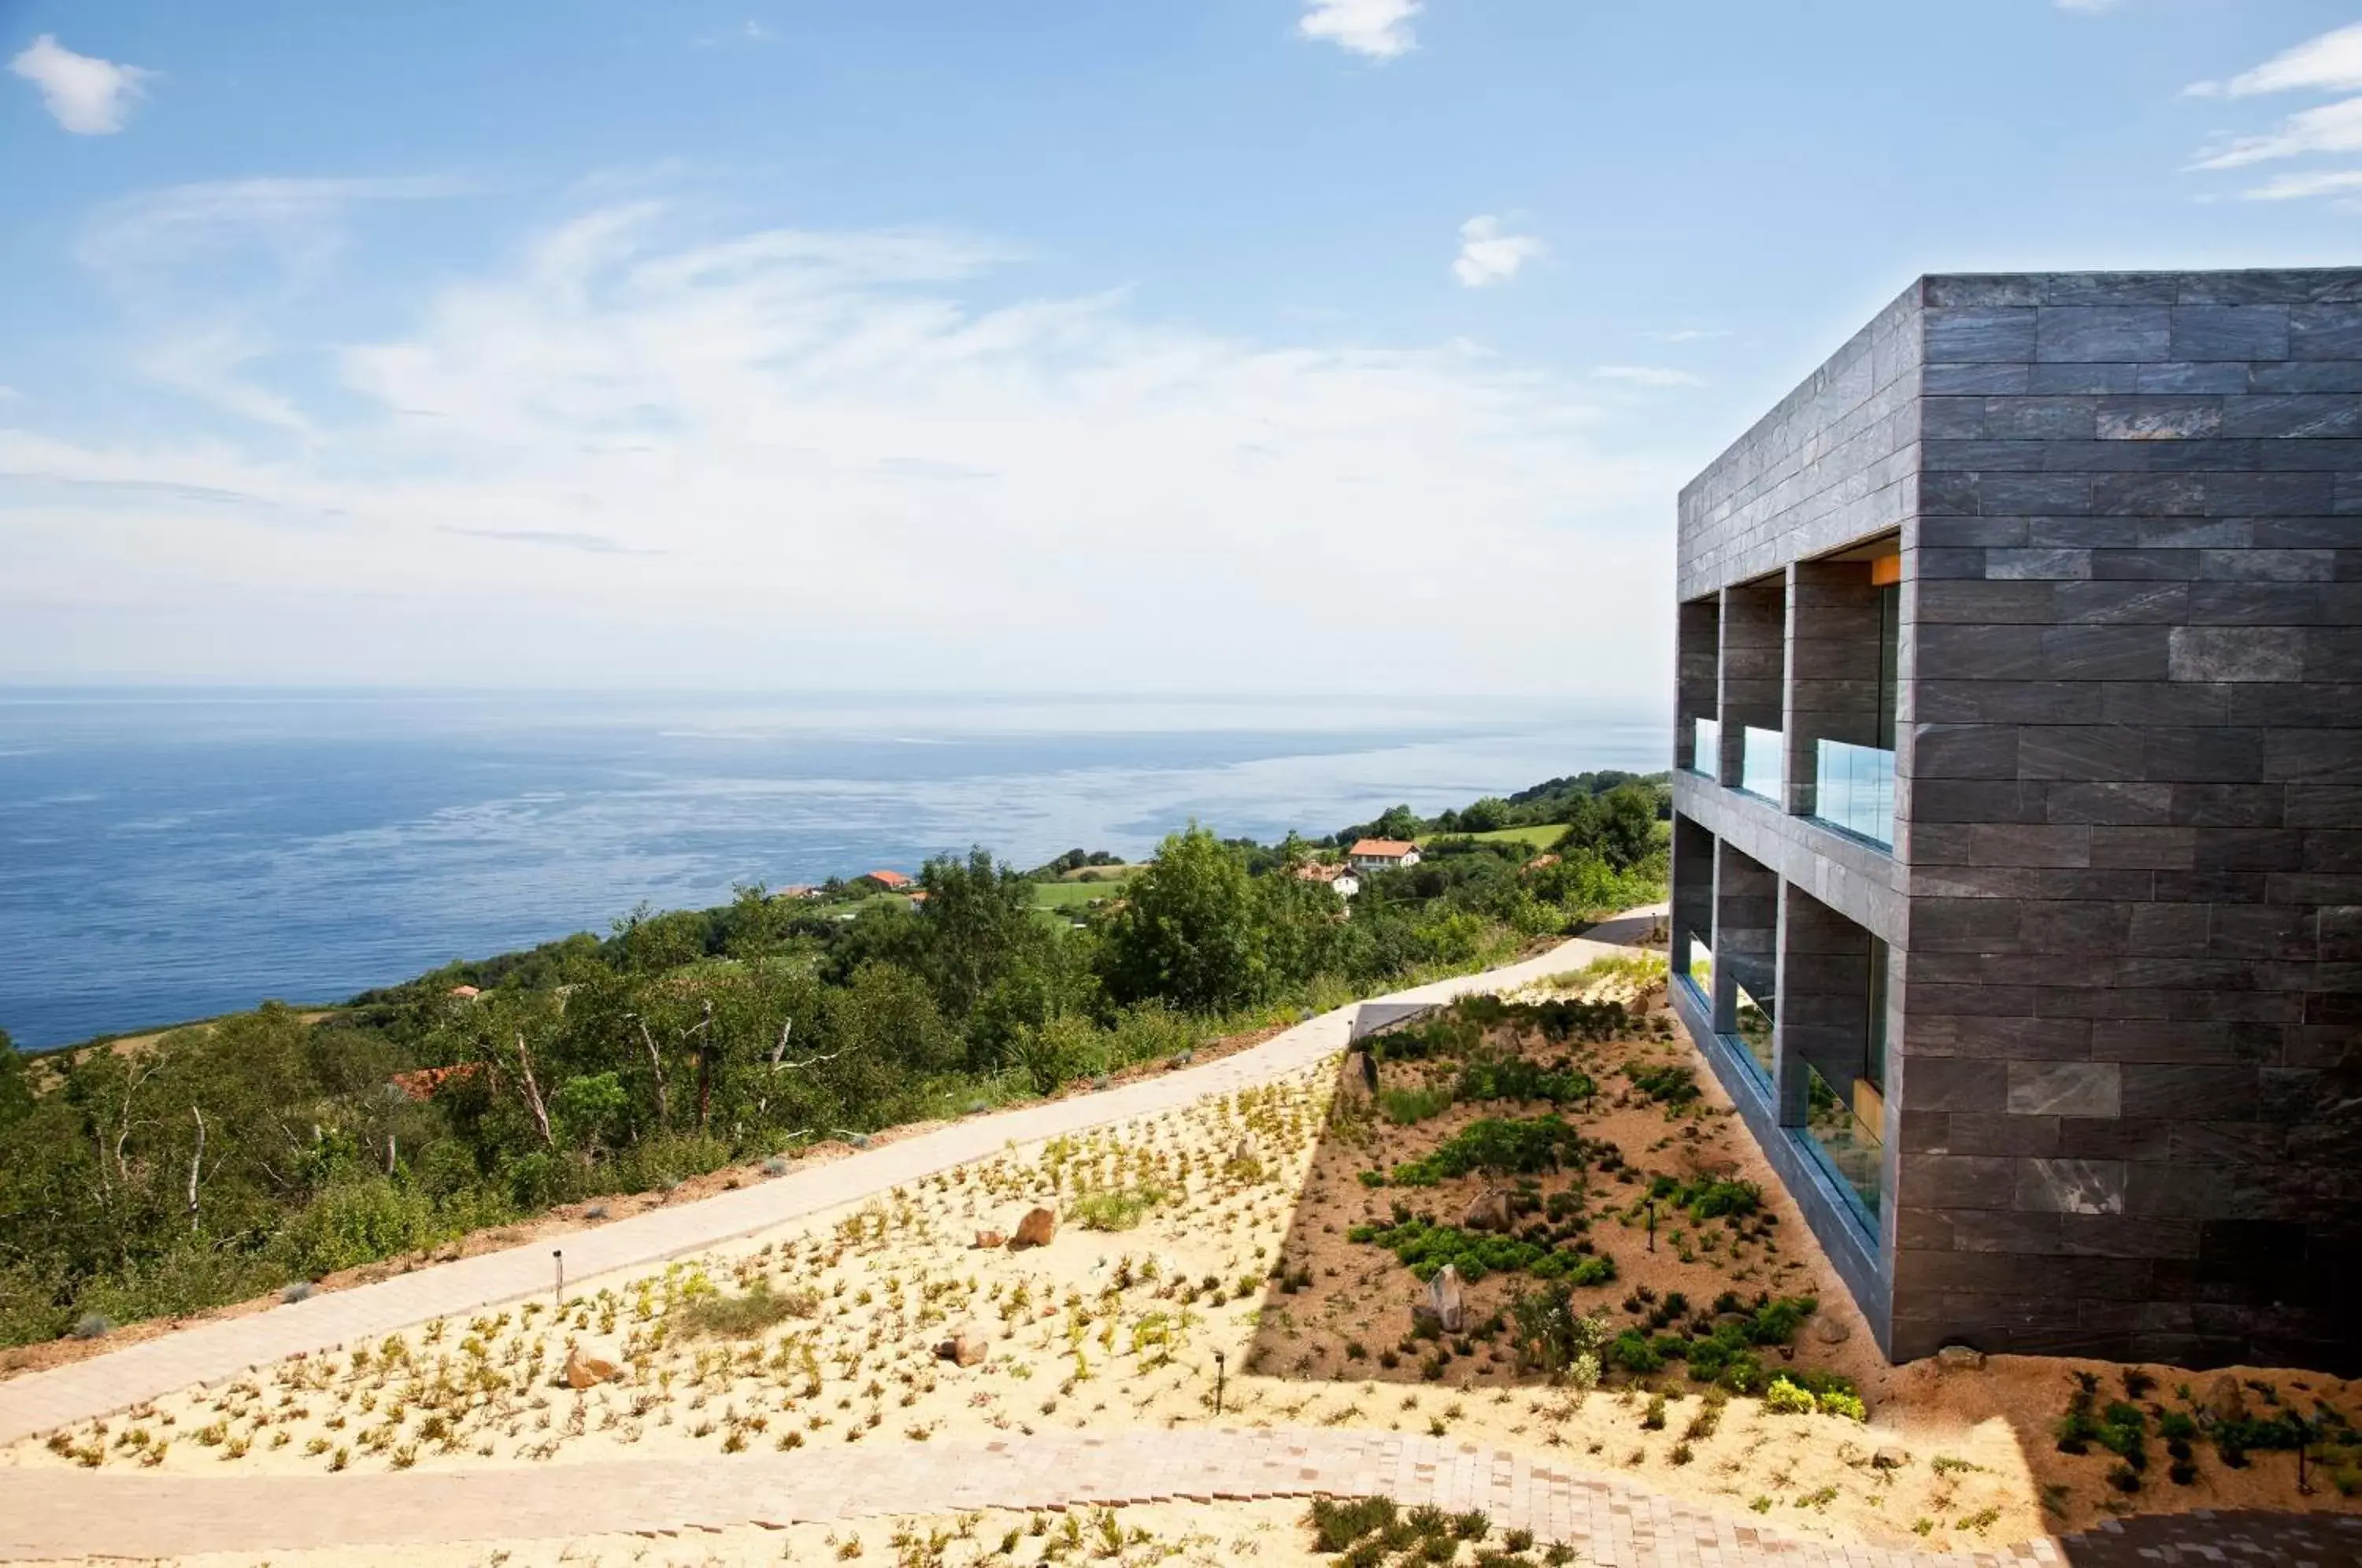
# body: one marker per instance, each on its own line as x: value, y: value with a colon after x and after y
x: 1486, y: 815
x: 978, y: 920
x: 1619, y: 826
x: 16, y: 1082
x: 1185, y: 930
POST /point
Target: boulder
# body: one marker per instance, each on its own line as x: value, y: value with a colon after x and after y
x: 1445, y: 1300
x: 2225, y: 1401
x: 1889, y: 1459
x: 965, y: 1347
x: 588, y: 1371
x: 1036, y: 1229
x: 986, y: 1239
x: 1489, y: 1210
x: 1961, y: 1358
x: 1829, y: 1330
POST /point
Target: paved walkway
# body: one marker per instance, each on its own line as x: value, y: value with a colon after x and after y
x: 206, y: 1352
x: 1607, y: 1521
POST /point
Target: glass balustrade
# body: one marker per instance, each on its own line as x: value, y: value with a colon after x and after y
x: 1853, y: 1148
x: 1706, y: 748
x: 1754, y: 1021
x: 1701, y: 967
x: 1759, y: 766
x: 1854, y: 789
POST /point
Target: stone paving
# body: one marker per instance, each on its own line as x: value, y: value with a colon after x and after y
x: 1607, y: 1521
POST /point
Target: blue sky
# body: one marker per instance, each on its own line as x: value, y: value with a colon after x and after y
x: 1196, y: 345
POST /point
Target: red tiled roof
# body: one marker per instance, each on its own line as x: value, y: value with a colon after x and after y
x: 887, y: 879
x: 1381, y: 849
x: 422, y: 1082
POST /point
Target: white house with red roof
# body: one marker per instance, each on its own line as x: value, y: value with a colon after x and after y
x: 1382, y: 855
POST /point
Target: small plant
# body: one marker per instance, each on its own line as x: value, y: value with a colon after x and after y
x: 1653, y: 1419
x: 1784, y: 1399
x: 92, y: 1326
x: 1338, y: 1524
x: 302, y: 1290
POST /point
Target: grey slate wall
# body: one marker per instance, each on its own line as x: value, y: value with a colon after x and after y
x: 2135, y: 796
x: 2125, y: 1110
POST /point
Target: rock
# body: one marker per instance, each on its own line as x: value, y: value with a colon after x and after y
x: 1829, y: 1330
x: 1889, y: 1459
x: 1961, y: 1358
x: 1445, y: 1301
x: 1489, y: 1210
x: 2225, y: 1401
x: 988, y: 1239
x: 1036, y: 1229
x: 1247, y: 1150
x: 965, y: 1347
x: 588, y: 1371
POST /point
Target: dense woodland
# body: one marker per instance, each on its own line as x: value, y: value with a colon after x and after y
x: 269, y: 1148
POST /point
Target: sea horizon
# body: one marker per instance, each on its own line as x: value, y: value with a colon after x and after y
x: 175, y: 852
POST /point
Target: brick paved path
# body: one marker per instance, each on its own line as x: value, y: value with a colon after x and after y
x: 206, y: 1352
x: 1608, y: 1521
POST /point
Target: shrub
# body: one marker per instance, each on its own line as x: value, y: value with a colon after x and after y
x: 356, y: 1223
x: 1665, y: 1084
x: 1513, y: 1077
x: 1849, y: 1406
x: 1404, y: 1107
x: 739, y: 1317
x: 1552, y: 1336
x: 1426, y: 1248
x: 1520, y: 1147
x: 1338, y: 1523
x: 1115, y: 1209
x: 1784, y: 1399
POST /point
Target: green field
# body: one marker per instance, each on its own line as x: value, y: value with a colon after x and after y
x: 1539, y: 837
x: 1073, y: 894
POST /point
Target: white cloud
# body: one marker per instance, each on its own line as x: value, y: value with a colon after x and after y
x: 633, y: 453
x: 1378, y: 28
x: 2332, y: 62
x: 1489, y: 256
x: 200, y: 266
x: 2300, y: 187
x: 1649, y: 376
x: 87, y: 95
x: 2329, y: 63
x: 2333, y: 128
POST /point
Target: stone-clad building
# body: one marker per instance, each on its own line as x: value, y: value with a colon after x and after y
x: 2017, y: 845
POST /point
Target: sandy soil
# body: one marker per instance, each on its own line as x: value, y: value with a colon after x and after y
x: 1218, y: 1228
x: 1190, y: 1535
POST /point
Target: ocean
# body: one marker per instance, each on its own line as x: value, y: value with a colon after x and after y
x: 167, y: 855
